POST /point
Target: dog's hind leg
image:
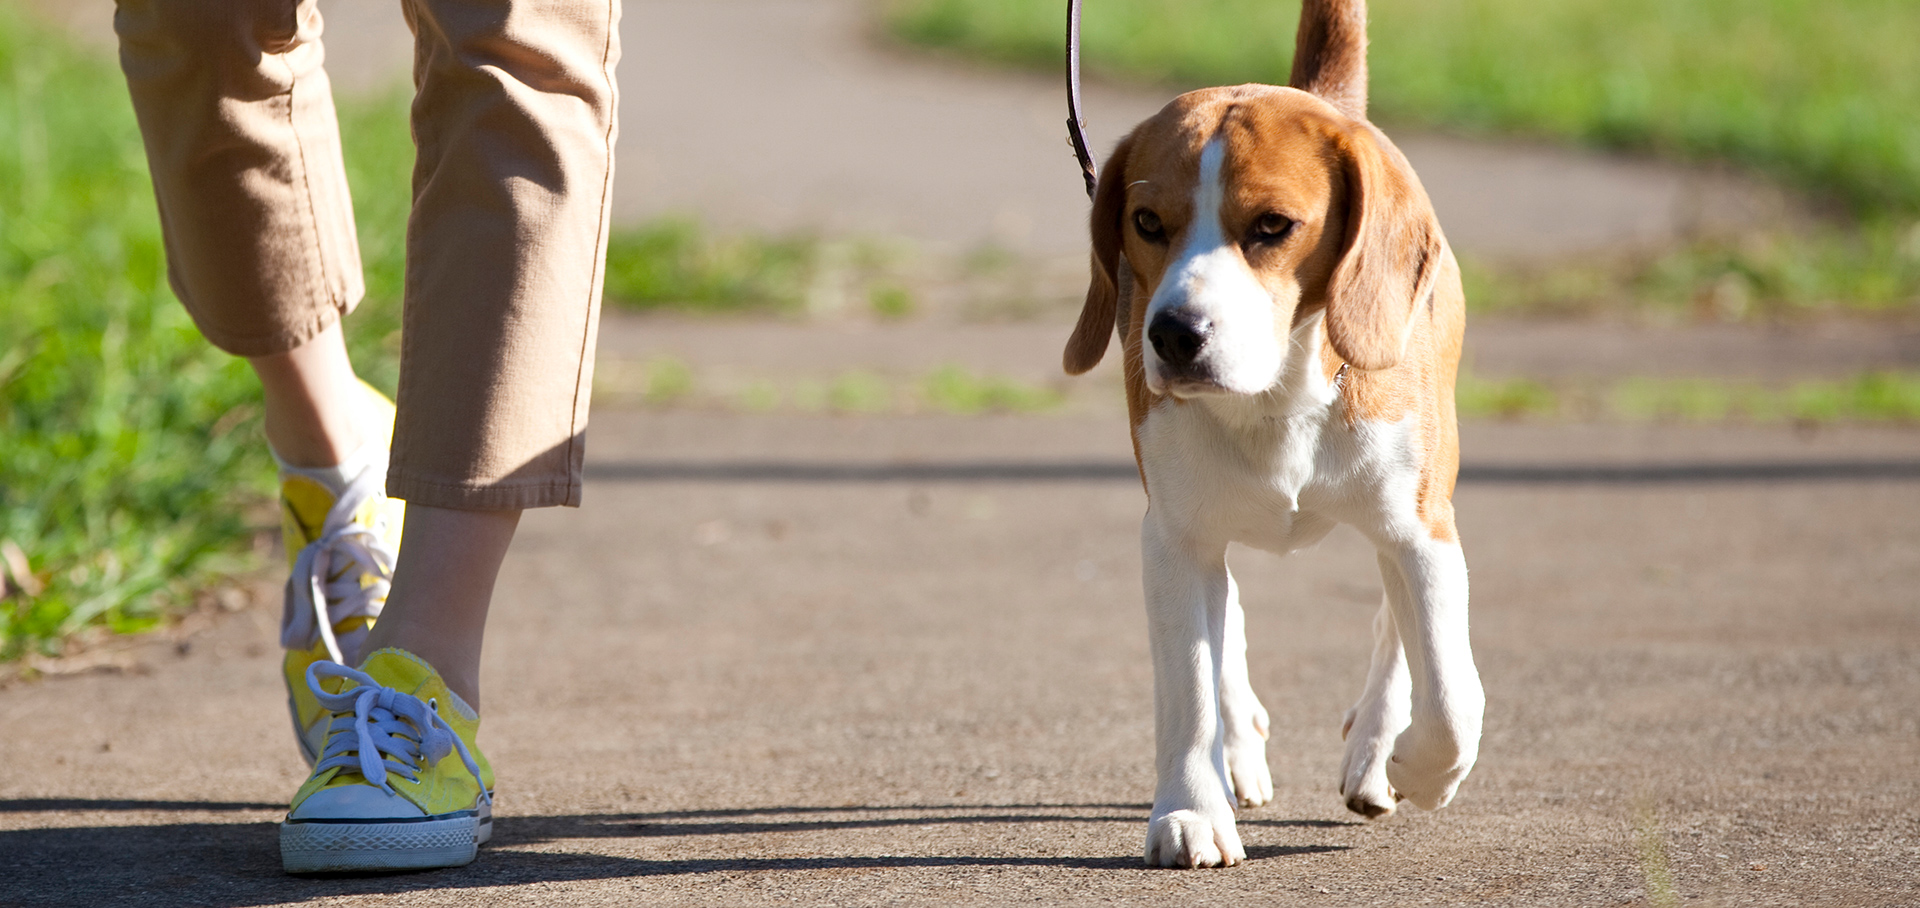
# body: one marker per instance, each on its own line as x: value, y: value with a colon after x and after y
x: 1373, y: 723
x: 1243, y: 721
x: 1187, y: 590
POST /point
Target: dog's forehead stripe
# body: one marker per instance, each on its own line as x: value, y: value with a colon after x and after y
x: 1208, y: 194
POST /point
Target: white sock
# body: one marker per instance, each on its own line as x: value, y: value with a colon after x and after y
x: 371, y: 455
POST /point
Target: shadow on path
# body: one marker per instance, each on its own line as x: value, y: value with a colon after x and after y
x: 752, y: 821
x: 49, y: 805
x: 238, y: 864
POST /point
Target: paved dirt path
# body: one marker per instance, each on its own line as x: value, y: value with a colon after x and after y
x: 782, y: 115
x: 738, y: 678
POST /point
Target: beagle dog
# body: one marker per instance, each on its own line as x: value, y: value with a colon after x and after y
x: 1290, y: 316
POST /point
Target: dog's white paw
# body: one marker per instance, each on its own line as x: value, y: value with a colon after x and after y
x: 1252, y: 781
x: 1246, y: 748
x: 1428, y: 764
x: 1187, y: 838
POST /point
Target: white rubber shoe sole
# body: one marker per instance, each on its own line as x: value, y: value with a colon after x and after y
x: 358, y: 846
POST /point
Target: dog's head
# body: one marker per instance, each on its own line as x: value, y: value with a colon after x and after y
x: 1240, y: 211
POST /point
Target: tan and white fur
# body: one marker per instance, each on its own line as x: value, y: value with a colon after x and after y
x: 1291, y: 320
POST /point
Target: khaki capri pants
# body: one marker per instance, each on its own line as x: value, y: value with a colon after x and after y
x: 514, y: 123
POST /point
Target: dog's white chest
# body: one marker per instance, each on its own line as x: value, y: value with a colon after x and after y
x: 1247, y: 478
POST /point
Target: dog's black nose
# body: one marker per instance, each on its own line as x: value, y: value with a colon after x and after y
x: 1179, y: 336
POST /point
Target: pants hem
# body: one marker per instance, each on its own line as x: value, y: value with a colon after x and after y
x: 281, y: 341
x: 484, y: 496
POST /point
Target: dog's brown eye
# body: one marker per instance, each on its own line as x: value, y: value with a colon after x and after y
x: 1149, y: 226
x: 1272, y: 227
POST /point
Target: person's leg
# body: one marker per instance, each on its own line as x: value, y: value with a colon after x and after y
x: 314, y: 413
x: 514, y: 126
x: 514, y: 123
x: 237, y: 117
x: 442, y: 590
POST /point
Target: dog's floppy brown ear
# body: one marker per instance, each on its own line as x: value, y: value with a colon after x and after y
x: 1088, y: 343
x: 1389, y: 259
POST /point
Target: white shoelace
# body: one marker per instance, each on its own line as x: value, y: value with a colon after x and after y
x: 314, y: 602
x: 377, y: 730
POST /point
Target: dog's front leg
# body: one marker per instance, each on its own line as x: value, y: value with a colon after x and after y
x: 1426, y: 582
x: 1186, y: 590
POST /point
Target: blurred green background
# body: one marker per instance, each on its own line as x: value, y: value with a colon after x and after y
x: 1822, y: 96
x: 132, y: 478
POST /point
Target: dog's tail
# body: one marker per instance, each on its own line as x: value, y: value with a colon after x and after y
x: 1330, y: 54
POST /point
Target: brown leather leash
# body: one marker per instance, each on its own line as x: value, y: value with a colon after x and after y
x: 1076, y: 125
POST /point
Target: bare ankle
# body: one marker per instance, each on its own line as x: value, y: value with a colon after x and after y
x: 315, y: 405
x: 297, y: 448
x: 442, y: 589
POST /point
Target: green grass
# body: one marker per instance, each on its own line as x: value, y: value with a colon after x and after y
x: 1825, y: 95
x: 1871, y: 269
x: 131, y: 449
x: 1650, y: 846
x: 379, y: 153
x: 668, y: 383
x: 952, y: 389
x: 674, y: 264
x: 1512, y: 398
x: 1869, y: 397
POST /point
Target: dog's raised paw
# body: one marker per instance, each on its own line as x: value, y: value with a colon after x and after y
x: 1187, y: 839
x: 1427, y: 770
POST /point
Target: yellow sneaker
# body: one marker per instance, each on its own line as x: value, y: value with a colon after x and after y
x: 342, y: 535
x: 385, y: 795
